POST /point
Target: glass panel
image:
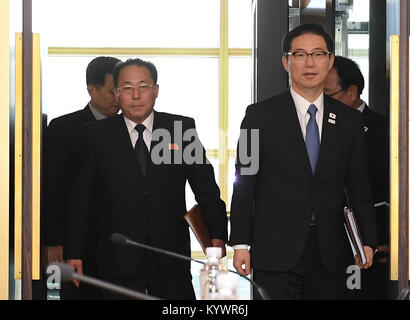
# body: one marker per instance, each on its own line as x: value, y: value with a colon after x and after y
x: 359, y: 52
x: 240, y: 23
x: 240, y: 93
x: 352, y: 36
x: 188, y: 86
x: 64, y: 85
x: 128, y: 23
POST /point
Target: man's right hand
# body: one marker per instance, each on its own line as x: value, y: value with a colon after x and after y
x: 242, y: 257
x: 77, y: 265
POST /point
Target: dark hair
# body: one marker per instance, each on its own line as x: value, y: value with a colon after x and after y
x: 349, y: 73
x: 98, y: 68
x: 137, y: 62
x: 312, y: 28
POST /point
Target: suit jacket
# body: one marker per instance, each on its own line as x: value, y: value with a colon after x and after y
x: 61, y: 152
x: 146, y: 210
x: 271, y: 210
x: 377, y: 143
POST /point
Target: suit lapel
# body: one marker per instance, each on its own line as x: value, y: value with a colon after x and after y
x: 329, y: 128
x: 288, y: 114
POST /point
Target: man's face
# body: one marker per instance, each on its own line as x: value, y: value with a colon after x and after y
x: 103, y: 98
x: 333, y: 89
x: 310, y: 73
x: 136, y: 92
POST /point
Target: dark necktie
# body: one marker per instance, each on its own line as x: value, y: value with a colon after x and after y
x: 141, y: 150
x: 312, y: 139
x: 312, y: 142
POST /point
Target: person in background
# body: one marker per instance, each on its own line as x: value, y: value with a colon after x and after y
x: 345, y: 83
x: 61, y: 156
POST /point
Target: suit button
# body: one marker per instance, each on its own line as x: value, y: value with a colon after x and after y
x: 147, y: 192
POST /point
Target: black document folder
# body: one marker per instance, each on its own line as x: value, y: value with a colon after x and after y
x: 353, y: 233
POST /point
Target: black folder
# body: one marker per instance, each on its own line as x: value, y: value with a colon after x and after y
x: 353, y: 233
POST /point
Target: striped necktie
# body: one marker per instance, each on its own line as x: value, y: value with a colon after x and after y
x: 141, y: 150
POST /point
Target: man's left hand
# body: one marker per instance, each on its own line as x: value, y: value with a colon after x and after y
x: 368, y: 251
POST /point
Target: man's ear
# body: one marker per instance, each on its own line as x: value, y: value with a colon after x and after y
x: 353, y: 91
x: 332, y: 60
x: 116, y: 93
x: 285, y: 63
x: 156, y: 91
x: 91, y: 90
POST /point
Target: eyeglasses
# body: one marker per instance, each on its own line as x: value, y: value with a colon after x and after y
x: 142, y: 87
x: 301, y: 56
x: 333, y: 94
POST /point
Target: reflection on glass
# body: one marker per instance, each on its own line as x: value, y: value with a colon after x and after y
x: 128, y: 23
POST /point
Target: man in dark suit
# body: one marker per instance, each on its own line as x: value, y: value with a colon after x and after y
x: 62, y: 152
x: 290, y: 212
x: 345, y: 83
x: 138, y: 163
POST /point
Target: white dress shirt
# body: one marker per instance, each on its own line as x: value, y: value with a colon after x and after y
x: 302, y: 106
x: 146, y: 135
x: 361, y: 108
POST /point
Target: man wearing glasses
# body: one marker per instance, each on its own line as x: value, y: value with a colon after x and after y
x: 290, y: 213
x: 137, y: 195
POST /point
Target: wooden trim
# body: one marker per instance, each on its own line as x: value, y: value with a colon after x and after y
x: 404, y: 148
x: 27, y: 225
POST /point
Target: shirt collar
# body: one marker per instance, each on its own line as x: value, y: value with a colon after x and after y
x: 302, y: 105
x: 361, y: 108
x: 98, y: 115
x: 148, y: 123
